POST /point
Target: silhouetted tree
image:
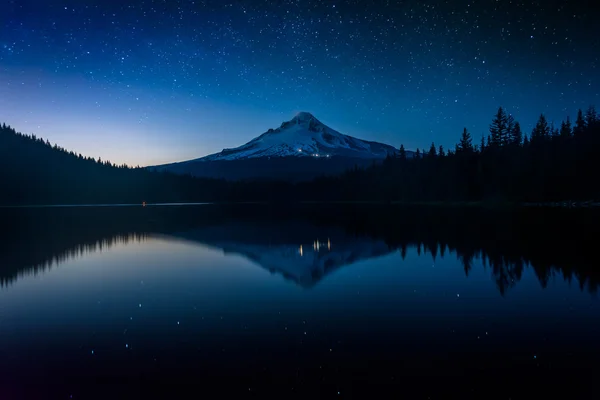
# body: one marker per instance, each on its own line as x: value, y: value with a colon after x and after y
x: 579, y: 123
x: 565, y: 128
x: 510, y: 126
x: 541, y: 131
x: 465, y: 145
x: 432, y: 151
x: 516, y: 136
x: 499, y: 128
x: 402, y: 153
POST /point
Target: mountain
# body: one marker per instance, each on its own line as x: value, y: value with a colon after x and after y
x: 304, y: 136
x: 301, y: 253
x: 300, y: 149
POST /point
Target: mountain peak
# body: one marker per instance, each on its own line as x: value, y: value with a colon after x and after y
x: 303, y: 116
x: 304, y: 136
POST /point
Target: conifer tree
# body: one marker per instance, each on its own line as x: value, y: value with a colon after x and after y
x: 432, y: 151
x: 465, y: 145
x: 510, y: 126
x: 499, y: 128
x: 541, y: 131
x: 516, y: 135
x: 565, y: 128
x: 402, y: 153
x: 579, y: 124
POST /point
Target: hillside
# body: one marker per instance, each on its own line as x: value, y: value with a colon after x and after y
x: 32, y: 171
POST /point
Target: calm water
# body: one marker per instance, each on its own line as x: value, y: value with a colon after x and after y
x: 319, y: 303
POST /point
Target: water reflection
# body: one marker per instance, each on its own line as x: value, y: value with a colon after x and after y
x: 36, y: 258
x: 307, y: 301
x: 306, y: 245
x: 293, y: 255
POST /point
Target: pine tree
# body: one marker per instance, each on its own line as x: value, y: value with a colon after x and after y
x: 402, y: 153
x: 525, y: 141
x: 541, y: 131
x: 516, y: 135
x: 418, y: 154
x: 510, y: 126
x: 441, y: 152
x: 565, y: 128
x: 482, y: 145
x: 432, y: 151
x: 579, y: 124
x: 465, y: 145
x: 499, y: 128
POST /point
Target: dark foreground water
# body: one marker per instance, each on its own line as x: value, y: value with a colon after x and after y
x: 299, y: 302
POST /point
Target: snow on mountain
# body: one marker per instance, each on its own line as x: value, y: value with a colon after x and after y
x: 302, y: 254
x: 303, y: 136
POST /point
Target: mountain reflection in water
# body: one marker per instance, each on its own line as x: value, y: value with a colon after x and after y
x: 314, y: 301
x: 305, y: 244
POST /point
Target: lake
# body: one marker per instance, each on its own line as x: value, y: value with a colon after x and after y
x: 329, y: 301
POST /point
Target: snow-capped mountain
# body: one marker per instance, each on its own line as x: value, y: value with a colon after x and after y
x: 300, y: 149
x: 304, y: 136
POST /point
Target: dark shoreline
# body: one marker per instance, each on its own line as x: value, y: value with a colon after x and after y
x: 452, y: 204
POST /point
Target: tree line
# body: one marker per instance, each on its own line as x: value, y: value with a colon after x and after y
x: 552, y: 163
x: 33, y: 171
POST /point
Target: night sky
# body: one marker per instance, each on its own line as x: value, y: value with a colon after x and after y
x: 147, y: 82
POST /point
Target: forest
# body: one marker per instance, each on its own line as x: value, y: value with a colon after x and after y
x: 33, y: 171
x: 551, y: 164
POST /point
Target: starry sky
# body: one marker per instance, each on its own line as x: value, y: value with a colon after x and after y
x: 155, y: 81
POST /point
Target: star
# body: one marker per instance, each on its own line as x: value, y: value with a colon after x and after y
x: 374, y: 70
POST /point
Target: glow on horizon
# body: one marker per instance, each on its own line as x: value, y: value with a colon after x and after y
x: 140, y: 84
x: 110, y: 128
